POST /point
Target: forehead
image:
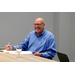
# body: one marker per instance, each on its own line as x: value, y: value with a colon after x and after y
x: 38, y: 21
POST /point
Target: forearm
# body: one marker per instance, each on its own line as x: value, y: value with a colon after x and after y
x: 49, y: 54
x: 14, y: 47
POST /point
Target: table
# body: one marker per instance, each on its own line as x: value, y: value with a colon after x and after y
x: 6, y: 57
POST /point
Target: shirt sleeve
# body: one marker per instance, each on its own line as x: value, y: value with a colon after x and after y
x: 51, y: 48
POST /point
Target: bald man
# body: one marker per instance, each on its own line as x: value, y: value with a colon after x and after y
x: 40, y: 41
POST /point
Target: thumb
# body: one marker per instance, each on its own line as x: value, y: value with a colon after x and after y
x: 35, y: 52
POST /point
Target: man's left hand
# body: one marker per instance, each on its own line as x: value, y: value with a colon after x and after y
x: 37, y: 53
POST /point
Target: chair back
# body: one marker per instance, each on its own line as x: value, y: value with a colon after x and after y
x: 62, y: 57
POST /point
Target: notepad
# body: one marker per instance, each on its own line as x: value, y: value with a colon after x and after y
x: 15, y: 52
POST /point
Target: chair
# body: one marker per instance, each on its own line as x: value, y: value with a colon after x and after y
x: 62, y: 57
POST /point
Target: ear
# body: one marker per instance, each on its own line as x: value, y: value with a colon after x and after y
x: 44, y: 25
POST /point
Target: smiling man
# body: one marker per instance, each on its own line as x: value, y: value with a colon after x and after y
x: 40, y: 41
x: 39, y: 26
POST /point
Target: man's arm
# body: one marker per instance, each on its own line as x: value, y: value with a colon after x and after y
x: 49, y: 54
x: 51, y: 49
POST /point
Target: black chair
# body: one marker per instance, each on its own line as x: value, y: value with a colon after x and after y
x: 62, y: 57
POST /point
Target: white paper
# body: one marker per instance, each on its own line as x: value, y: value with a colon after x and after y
x: 15, y: 52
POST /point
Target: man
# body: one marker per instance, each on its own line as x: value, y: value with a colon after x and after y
x: 40, y: 42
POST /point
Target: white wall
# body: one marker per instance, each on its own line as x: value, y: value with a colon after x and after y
x: 15, y: 26
x: 64, y: 31
x: 72, y: 35
x: 56, y: 20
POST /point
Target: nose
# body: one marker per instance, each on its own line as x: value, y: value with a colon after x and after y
x: 37, y: 25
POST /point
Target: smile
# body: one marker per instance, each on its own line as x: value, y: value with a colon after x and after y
x: 37, y: 28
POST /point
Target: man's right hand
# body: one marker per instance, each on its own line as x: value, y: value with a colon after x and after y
x: 9, y: 47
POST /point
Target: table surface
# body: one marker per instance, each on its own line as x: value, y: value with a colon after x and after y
x: 6, y: 57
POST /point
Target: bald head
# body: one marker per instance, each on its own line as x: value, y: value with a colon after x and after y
x: 39, y: 20
x: 39, y: 26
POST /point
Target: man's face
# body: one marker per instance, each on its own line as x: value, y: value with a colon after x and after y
x: 39, y: 27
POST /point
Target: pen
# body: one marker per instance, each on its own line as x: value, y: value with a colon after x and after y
x: 8, y: 46
x: 8, y: 43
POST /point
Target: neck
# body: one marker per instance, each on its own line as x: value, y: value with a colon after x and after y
x: 39, y: 33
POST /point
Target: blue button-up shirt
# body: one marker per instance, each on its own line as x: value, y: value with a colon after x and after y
x: 44, y: 43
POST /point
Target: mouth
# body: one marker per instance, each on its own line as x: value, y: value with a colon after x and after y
x: 37, y: 28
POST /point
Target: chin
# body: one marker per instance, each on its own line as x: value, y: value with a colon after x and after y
x: 37, y: 31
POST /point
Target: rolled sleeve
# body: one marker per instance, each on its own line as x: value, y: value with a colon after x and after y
x: 14, y: 47
x: 49, y: 54
x: 51, y: 48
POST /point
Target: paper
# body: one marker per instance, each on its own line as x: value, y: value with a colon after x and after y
x: 15, y: 52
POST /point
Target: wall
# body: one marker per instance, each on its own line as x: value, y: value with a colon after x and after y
x: 72, y: 36
x: 15, y: 26
x: 64, y: 30
x: 56, y: 24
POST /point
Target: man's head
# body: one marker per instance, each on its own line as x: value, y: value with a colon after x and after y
x: 39, y: 25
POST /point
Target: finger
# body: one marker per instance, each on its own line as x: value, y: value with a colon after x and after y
x: 35, y: 52
x: 7, y: 47
x: 10, y: 47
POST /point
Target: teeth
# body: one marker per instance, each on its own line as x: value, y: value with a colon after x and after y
x: 37, y: 28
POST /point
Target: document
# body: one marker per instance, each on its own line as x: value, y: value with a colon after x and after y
x: 15, y: 52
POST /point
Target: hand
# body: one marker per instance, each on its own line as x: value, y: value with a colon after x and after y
x: 37, y: 53
x: 9, y: 47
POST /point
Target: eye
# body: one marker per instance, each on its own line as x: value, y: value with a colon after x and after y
x: 37, y: 24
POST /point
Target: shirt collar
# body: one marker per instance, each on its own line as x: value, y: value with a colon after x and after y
x: 40, y: 34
